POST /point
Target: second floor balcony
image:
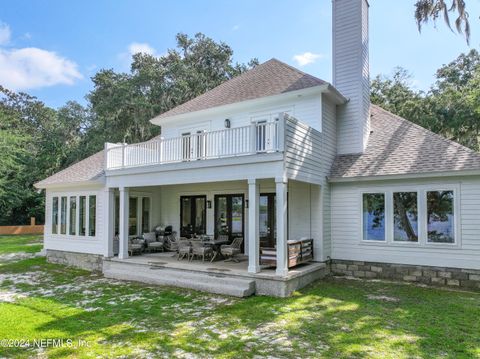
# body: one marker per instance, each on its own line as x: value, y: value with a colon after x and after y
x: 256, y: 138
x: 301, y: 145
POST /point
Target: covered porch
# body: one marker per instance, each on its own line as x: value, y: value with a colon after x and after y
x: 265, y: 212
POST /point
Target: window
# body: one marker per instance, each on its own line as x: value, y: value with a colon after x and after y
x: 63, y: 215
x: 132, y: 216
x: 374, y: 216
x: 405, y: 217
x: 73, y: 216
x: 146, y: 215
x: 92, y: 215
x: 55, y: 215
x: 83, y: 210
x: 440, y: 217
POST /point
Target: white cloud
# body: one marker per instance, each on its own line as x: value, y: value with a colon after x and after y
x: 306, y: 58
x: 30, y: 67
x: 5, y: 33
x: 235, y: 27
x: 136, y: 47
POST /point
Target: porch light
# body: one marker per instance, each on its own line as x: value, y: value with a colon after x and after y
x: 246, y: 203
x: 209, y: 204
x: 227, y: 123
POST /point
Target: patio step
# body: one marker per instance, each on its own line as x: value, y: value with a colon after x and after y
x: 202, y: 281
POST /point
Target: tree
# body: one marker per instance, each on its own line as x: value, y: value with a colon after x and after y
x: 123, y: 103
x: 451, y: 107
x: 426, y: 10
x: 395, y: 94
x: 35, y: 141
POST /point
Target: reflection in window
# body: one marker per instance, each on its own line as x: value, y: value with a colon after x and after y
x: 374, y: 216
x: 83, y: 211
x: 405, y: 217
x: 92, y: 215
x: 55, y: 215
x: 73, y: 216
x: 146, y: 215
x: 63, y: 215
x: 132, y: 216
x: 440, y: 217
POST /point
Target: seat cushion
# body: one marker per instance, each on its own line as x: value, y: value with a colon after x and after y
x: 155, y: 244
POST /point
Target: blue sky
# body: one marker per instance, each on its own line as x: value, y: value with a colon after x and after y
x: 51, y: 48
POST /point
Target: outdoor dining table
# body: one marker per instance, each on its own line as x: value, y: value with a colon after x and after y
x: 215, y: 244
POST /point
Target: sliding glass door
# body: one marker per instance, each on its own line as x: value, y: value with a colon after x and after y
x: 229, y: 215
x: 193, y: 215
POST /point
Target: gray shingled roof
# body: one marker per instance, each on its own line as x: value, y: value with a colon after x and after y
x: 89, y: 169
x: 399, y: 147
x: 270, y: 78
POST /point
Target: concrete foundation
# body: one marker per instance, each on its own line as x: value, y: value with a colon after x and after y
x: 219, y: 277
x: 442, y: 276
x: 92, y: 262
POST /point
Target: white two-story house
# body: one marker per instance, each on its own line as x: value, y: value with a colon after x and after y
x: 272, y: 156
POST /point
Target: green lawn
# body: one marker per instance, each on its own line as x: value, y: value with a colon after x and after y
x: 22, y: 243
x: 332, y: 319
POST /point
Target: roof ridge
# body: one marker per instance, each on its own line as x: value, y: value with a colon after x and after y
x: 293, y: 68
x: 421, y: 128
x: 269, y: 78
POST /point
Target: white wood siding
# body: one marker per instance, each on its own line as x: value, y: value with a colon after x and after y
x: 309, y: 156
x: 351, y: 73
x: 306, y: 109
x: 69, y: 243
x: 346, y: 231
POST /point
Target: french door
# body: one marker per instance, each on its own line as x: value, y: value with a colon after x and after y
x: 267, y: 220
x: 193, y: 215
x: 229, y: 215
x: 193, y: 145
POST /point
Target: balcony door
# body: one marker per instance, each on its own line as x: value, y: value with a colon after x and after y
x: 229, y: 215
x: 267, y: 220
x: 193, y: 145
x: 193, y: 215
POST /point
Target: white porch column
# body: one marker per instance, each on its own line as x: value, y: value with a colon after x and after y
x: 253, y: 226
x: 282, y: 235
x: 123, y: 223
x: 108, y: 219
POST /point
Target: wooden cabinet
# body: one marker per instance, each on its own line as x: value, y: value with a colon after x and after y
x: 299, y: 251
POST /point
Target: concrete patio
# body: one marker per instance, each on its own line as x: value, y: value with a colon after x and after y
x: 219, y: 277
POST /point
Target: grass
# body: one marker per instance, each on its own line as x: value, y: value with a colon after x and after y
x: 29, y: 243
x: 332, y: 319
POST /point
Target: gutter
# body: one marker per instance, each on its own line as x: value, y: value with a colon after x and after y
x: 457, y: 173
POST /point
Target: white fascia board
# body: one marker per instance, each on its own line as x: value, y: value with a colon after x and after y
x: 458, y: 173
x: 248, y: 104
x: 94, y: 184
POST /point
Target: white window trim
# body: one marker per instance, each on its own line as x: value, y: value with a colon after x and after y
x: 422, y: 215
x: 139, y: 212
x: 371, y: 241
x: 77, y: 235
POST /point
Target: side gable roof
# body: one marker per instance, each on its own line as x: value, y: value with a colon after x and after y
x: 399, y: 147
x: 267, y: 79
x: 89, y: 169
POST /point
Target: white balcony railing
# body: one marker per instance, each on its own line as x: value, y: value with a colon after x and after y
x: 262, y: 137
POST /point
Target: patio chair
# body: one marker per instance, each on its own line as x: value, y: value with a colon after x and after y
x: 184, y: 248
x: 151, y: 242
x: 201, y: 249
x: 231, y: 250
x: 171, y: 242
x: 223, y: 237
x: 135, y: 246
